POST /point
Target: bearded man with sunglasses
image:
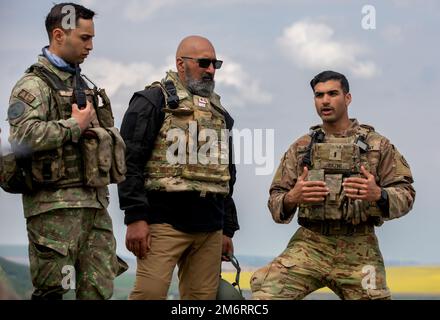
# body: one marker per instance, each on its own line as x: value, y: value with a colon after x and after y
x: 177, y: 196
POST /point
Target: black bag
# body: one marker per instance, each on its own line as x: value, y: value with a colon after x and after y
x: 15, y: 174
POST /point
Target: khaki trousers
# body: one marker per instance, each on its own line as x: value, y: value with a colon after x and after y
x: 198, y: 256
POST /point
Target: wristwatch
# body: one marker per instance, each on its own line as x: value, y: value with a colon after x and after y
x: 383, y: 201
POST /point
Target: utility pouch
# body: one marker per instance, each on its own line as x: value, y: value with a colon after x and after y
x: 48, y: 166
x: 118, y: 168
x: 104, y: 110
x: 15, y: 177
x: 97, y: 146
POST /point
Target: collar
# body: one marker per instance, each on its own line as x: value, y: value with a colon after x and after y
x: 57, y: 61
x: 182, y: 92
x: 42, y: 60
x: 350, y: 131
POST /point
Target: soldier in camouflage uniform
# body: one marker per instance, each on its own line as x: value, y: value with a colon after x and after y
x: 179, y: 212
x: 73, y: 154
x: 345, y: 179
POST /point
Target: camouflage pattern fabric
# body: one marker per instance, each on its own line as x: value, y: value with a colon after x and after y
x: 389, y: 167
x: 73, y: 238
x: 31, y: 109
x: 351, y: 266
x: 66, y: 226
x: 195, y: 117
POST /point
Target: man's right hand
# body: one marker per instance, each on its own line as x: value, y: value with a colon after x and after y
x: 83, y: 116
x: 305, y: 192
x: 138, y: 238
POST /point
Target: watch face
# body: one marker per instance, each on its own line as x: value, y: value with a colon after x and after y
x: 383, y: 195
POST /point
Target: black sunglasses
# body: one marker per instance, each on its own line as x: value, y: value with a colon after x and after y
x: 205, y: 62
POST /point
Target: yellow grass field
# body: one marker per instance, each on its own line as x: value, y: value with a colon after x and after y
x: 423, y: 280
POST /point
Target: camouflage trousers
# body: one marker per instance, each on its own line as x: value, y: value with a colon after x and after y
x: 73, y: 249
x: 352, y: 266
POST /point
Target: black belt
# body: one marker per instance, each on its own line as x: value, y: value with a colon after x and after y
x: 337, y: 227
x: 192, y: 194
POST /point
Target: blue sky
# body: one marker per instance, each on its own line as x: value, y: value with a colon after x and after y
x: 271, y: 50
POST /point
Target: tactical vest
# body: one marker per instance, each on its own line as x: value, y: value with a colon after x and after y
x: 335, y: 159
x: 96, y: 161
x: 191, y: 149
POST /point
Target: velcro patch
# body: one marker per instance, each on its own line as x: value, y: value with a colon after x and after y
x: 402, y: 166
x: 26, y: 96
x: 16, y: 110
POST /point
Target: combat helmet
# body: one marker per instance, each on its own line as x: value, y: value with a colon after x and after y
x: 228, y: 291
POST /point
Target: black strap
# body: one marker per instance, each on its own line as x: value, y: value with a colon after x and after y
x: 317, y: 137
x: 79, y: 93
x: 361, y: 140
x: 56, y: 84
x: 52, y: 80
x: 172, y: 99
x: 47, y: 171
x: 236, y: 265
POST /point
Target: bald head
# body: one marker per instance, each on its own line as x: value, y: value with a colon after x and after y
x: 195, y: 46
x: 197, y: 78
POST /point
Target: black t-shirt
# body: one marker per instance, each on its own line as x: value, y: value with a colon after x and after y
x: 186, y: 211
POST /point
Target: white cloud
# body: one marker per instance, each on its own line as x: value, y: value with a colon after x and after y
x: 114, y: 75
x: 247, y: 90
x: 132, y: 10
x: 137, y: 10
x: 121, y: 80
x: 312, y: 46
x: 140, y: 10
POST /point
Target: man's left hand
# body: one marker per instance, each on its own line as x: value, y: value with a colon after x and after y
x: 362, y: 188
x: 227, y: 248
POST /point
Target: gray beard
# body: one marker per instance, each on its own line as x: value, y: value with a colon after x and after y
x: 203, y: 88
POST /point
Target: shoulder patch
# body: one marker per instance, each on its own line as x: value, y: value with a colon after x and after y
x: 16, y: 110
x: 26, y: 96
x: 402, y: 166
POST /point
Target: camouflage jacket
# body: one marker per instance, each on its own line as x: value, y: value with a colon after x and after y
x: 34, y: 123
x: 391, y: 171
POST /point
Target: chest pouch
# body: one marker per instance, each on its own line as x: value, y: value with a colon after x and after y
x: 343, y: 158
x: 97, y: 147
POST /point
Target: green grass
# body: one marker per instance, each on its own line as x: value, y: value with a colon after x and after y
x: 13, y: 250
x: 19, y: 277
x: 125, y: 282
